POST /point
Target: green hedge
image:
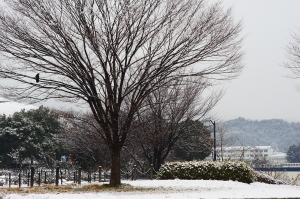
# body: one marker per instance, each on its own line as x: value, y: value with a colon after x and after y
x: 208, y: 170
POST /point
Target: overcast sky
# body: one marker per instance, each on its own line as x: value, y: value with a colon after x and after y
x: 262, y: 91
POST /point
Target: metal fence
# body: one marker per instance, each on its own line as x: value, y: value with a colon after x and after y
x: 60, y: 176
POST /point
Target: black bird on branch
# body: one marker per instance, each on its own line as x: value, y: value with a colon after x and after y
x: 37, y: 77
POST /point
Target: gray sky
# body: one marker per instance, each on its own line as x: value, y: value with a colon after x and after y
x: 262, y: 91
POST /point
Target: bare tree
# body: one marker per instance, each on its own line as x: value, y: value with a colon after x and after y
x: 112, y: 54
x: 167, y: 117
x: 82, y: 141
x: 293, y: 55
x: 223, y: 140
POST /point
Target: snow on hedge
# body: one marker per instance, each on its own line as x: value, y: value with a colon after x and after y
x: 208, y: 170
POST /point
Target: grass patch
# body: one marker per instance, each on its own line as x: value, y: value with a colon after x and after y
x: 72, y: 188
x: 107, y: 187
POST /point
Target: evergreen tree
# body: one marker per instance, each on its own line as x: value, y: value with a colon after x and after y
x: 29, y: 137
x: 293, y: 154
x: 195, y: 142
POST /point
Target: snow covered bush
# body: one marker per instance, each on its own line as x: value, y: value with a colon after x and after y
x: 208, y: 170
x: 262, y: 177
x: 29, y: 137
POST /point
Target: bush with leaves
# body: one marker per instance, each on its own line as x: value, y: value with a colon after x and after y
x: 208, y: 170
x: 29, y: 137
x: 293, y: 153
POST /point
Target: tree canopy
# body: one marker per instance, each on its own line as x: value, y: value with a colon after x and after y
x: 293, y: 154
x: 195, y: 142
x: 112, y: 54
x: 29, y: 137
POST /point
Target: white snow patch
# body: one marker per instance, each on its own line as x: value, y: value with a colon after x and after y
x: 172, y: 189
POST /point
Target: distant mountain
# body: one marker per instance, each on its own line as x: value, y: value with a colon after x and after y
x: 276, y: 133
x: 8, y: 107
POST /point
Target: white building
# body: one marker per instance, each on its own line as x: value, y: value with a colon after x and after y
x: 278, y: 158
x: 252, y: 154
x: 245, y: 152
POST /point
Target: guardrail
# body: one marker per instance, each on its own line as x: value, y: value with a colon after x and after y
x: 33, y: 176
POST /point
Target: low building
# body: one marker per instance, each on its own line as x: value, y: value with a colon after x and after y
x: 256, y: 155
x: 278, y: 158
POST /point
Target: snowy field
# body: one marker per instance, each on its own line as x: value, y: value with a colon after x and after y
x: 171, y: 189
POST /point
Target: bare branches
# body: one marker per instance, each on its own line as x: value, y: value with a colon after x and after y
x: 293, y: 55
x: 113, y: 54
x: 113, y: 43
x: 166, y: 116
x: 293, y: 50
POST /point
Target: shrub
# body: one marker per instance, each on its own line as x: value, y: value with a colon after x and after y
x: 264, y: 178
x: 208, y: 170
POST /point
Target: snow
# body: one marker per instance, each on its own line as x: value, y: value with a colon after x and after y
x: 171, y: 189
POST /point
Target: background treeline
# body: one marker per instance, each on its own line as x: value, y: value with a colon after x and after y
x: 41, y: 136
x: 275, y: 132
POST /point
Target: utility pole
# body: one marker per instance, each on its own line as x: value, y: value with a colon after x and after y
x: 215, y: 147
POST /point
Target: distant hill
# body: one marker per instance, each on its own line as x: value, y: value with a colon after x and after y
x: 276, y: 133
x: 10, y: 107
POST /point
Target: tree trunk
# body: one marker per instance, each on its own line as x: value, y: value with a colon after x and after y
x: 156, y: 159
x: 115, y: 176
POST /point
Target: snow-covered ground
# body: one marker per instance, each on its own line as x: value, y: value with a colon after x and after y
x: 171, y: 189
